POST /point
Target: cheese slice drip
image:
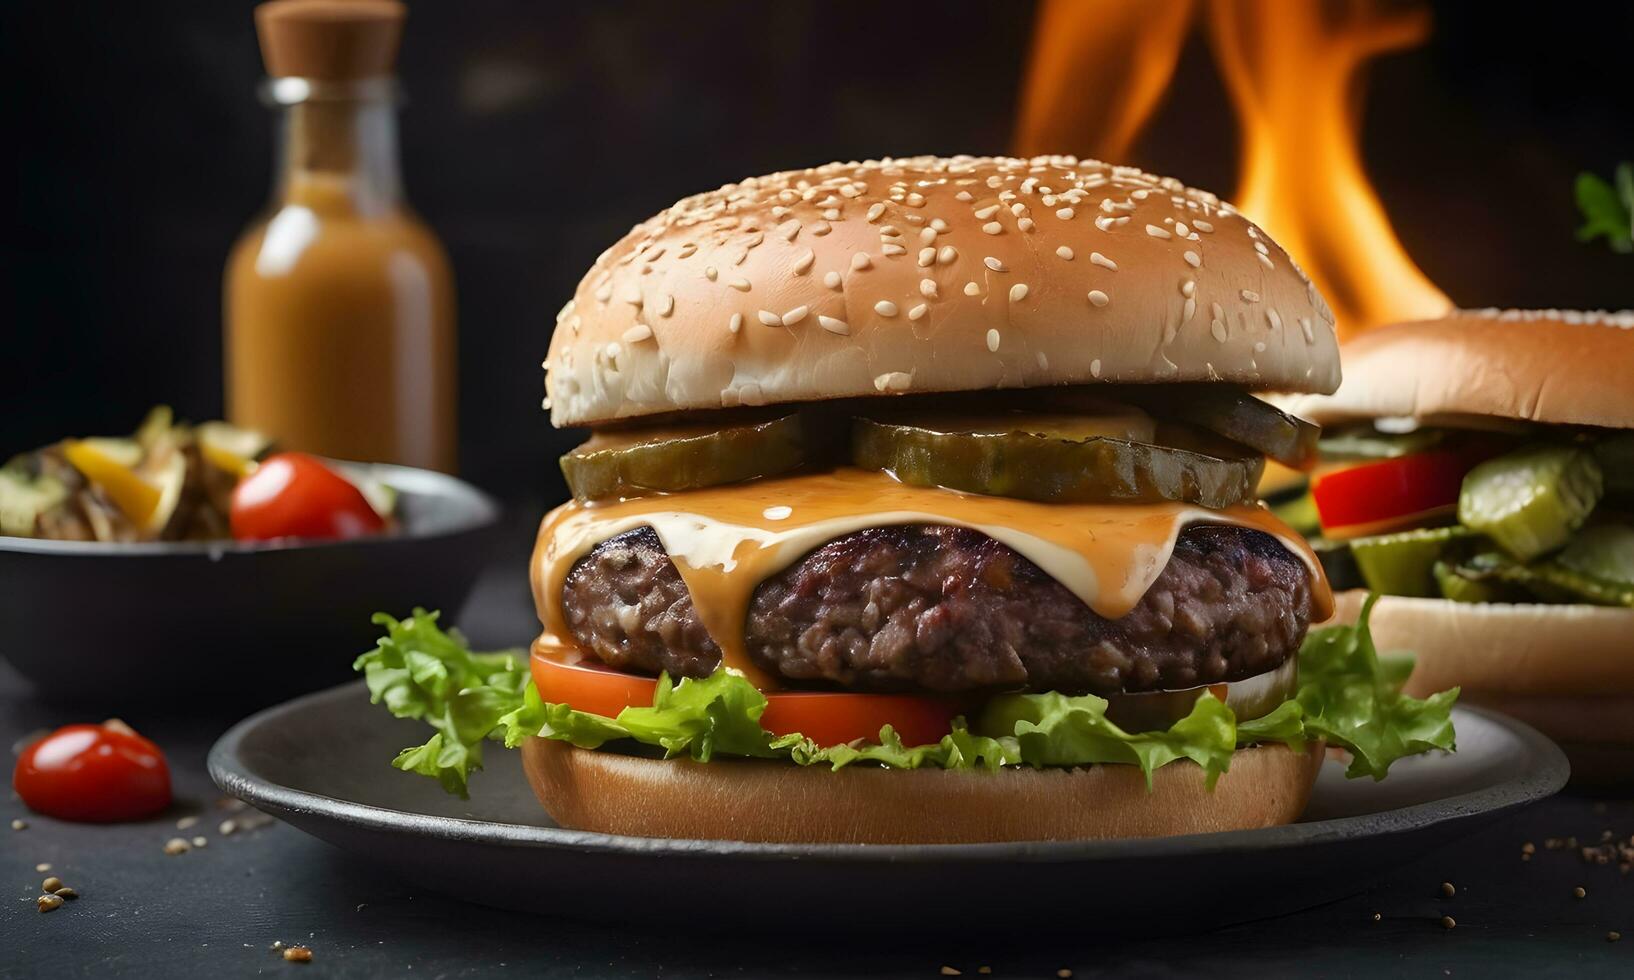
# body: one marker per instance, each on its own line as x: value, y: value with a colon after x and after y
x: 726, y: 540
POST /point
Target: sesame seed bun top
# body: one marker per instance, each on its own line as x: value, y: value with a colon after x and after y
x: 933, y: 274
x: 1561, y: 367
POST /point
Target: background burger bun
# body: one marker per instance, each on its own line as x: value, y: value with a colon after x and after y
x: 1566, y: 670
x: 774, y: 802
x: 1561, y: 367
x: 933, y: 274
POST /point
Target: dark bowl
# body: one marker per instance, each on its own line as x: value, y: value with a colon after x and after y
x: 108, y: 624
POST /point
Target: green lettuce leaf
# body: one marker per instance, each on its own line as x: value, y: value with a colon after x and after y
x: 1348, y: 695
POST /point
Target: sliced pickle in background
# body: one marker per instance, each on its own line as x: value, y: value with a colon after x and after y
x: 1362, y: 442
x: 1602, y: 551
x: 629, y: 463
x: 1531, y: 500
x: 1033, y: 458
x: 1403, y: 563
x: 1234, y: 414
x: 1548, y: 581
x: 1458, y: 588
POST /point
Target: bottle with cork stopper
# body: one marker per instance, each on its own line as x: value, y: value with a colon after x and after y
x: 339, y: 301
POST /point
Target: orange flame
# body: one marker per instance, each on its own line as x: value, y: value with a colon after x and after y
x: 1294, y: 72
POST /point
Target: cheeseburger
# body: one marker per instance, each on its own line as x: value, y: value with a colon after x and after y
x: 919, y: 505
x: 1479, y: 472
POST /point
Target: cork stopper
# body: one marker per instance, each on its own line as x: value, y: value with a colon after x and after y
x: 330, y: 40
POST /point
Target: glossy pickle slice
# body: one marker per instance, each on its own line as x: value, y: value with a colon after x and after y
x: 1404, y: 563
x: 1054, y: 459
x: 1531, y: 500
x: 1234, y: 414
x: 622, y: 464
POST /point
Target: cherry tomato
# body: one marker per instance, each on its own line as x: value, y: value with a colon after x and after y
x: 93, y: 774
x: 825, y: 717
x: 293, y: 495
x: 1389, y: 493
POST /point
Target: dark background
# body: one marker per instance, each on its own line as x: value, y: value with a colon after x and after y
x: 536, y: 133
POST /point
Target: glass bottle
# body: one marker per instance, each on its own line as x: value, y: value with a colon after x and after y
x: 339, y: 301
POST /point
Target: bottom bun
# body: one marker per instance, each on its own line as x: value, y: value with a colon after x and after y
x: 1566, y: 670
x: 779, y: 802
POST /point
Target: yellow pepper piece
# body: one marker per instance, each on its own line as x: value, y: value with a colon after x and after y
x: 135, y: 497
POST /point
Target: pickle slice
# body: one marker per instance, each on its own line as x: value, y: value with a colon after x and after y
x: 1365, y: 442
x: 622, y: 464
x: 1531, y: 500
x: 1230, y: 412
x: 1604, y: 551
x: 1035, y: 458
x: 1404, y: 564
x: 1549, y: 581
x: 1459, y: 588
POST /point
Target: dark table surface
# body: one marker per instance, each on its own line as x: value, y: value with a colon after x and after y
x: 217, y: 910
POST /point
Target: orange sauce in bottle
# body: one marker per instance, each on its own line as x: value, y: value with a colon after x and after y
x: 339, y: 301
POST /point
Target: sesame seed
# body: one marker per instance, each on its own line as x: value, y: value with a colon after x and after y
x: 1018, y: 292
x: 739, y: 283
x: 891, y: 248
x: 1064, y: 252
x: 860, y: 261
x: 987, y: 212
x: 803, y: 263
x: 1273, y: 318
x: 1249, y: 296
x: 1305, y: 325
x: 831, y: 279
x: 1202, y: 225
x: 938, y: 224
x: 972, y: 289
x: 1025, y: 224
x: 1188, y: 287
x: 927, y: 236
x: 833, y: 325
x: 736, y: 323
x: 1192, y: 258
x: 1218, y: 329
x: 874, y: 211
x: 666, y: 304
x: 927, y: 256
x: 965, y: 196
x: 637, y: 334
x: 1102, y: 261
x: 918, y: 311
x: 947, y: 255
x: 885, y: 308
x: 1188, y: 310
x: 1019, y: 210
x: 1181, y: 229
x: 795, y: 315
x: 1265, y: 260
x: 1448, y: 922
x: 1217, y: 310
x: 893, y: 381
x: 993, y: 340
x: 994, y: 264
x: 992, y: 228
x: 1104, y: 223
x: 1065, y: 214
x: 1158, y: 232
x: 710, y: 273
x: 927, y: 288
x: 18, y: 824
x: 1099, y: 298
x: 769, y: 318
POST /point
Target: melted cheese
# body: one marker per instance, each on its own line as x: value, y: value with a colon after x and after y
x: 725, y: 541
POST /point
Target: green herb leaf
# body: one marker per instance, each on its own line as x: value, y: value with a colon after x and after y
x: 1608, y: 210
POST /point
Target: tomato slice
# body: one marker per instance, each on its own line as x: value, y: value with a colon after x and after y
x: 1392, y: 492
x: 93, y: 774
x: 293, y: 495
x: 825, y: 717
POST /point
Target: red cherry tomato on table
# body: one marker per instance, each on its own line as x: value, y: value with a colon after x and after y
x: 93, y: 774
x: 293, y: 495
x: 825, y: 717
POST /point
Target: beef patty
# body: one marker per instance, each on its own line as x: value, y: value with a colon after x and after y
x: 936, y: 608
